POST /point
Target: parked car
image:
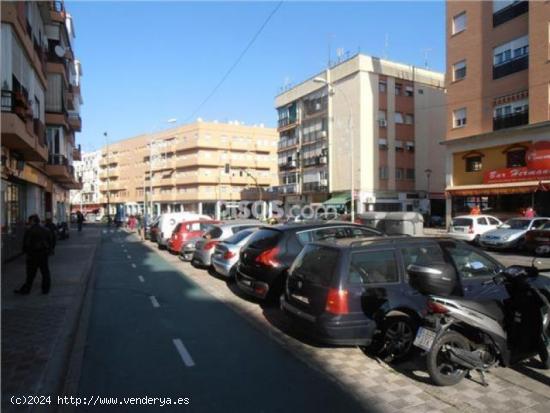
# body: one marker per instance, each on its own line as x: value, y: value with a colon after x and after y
x: 356, y: 292
x: 168, y: 222
x: 204, y: 248
x: 188, y: 248
x: 226, y: 254
x: 538, y: 240
x: 511, y: 234
x: 186, y: 231
x: 265, y: 259
x: 151, y: 228
x: 470, y: 227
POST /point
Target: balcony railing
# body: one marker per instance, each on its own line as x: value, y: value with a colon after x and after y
x: 286, y: 121
x: 509, y: 121
x: 314, y: 187
x: 508, y: 13
x: 17, y: 103
x: 58, y: 159
x: 510, y: 67
x: 286, y: 143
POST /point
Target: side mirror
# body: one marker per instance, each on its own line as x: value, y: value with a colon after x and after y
x: 437, y: 279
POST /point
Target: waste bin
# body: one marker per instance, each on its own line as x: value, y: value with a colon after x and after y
x: 372, y: 219
x: 404, y: 223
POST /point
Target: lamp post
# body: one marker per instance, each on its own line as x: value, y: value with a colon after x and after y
x: 108, y: 179
x: 331, y: 86
x: 428, y: 173
x: 151, y: 142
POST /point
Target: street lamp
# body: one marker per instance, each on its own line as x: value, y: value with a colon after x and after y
x: 108, y: 179
x: 151, y: 141
x: 332, y: 86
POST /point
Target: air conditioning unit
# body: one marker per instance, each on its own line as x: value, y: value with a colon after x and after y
x: 292, y: 163
x: 323, y: 134
x: 323, y: 160
x: 383, y: 123
x: 323, y: 182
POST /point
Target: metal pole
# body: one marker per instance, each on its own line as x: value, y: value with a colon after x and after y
x: 108, y: 179
x: 151, y: 175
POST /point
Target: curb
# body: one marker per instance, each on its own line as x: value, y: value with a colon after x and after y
x: 54, y: 377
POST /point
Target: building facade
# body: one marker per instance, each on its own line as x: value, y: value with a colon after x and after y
x: 498, y: 116
x: 87, y: 199
x: 193, y: 167
x: 40, y: 101
x: 377, y: 121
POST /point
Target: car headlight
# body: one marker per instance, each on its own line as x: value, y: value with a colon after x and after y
x: 506, y: 237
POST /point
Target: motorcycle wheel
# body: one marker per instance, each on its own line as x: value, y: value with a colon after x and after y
x: 442, y: 370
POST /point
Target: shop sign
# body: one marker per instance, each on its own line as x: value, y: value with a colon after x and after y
x: 538, y: 156
x: 515, y: 175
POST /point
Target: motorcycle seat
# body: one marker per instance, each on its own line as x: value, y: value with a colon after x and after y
x: 491, y: 308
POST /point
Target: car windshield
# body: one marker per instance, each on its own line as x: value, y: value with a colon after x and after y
x: 462, y: 222
x: 213, y: 232
x: 516, y: 224
x: 239, y: 236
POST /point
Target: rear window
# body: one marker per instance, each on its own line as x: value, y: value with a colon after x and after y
x: 177, y: 229
x: 239, y: 236
x: 241, y: 227
x: 316, y: 264
x: 213, y: 233
x: 265, y: 238
x: 373, y: 267
x: 461, y: 222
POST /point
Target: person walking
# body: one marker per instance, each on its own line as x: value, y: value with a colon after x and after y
x: 139, y: 225
x: 37, y: 244
x: 79, y: 220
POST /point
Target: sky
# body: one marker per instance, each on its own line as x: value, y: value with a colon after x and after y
x: 147, y: 62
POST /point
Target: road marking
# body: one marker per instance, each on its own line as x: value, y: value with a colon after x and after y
x: 154, y: 301
x: 133, y: 265
x: 104, y: 231
x: 112, y: 231
x: 184, y: 354
x: 141, y: 278
x: 129, y: 256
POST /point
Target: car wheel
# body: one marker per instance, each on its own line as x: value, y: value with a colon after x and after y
x: 395, y: 342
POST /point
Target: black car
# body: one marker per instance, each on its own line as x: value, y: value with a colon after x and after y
x: 267, y: 256
x: 354, y: 292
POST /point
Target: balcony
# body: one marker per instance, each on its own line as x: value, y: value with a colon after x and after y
x: 284, y: 144
x: 58, y: 168
x: 75, y: 122
x: 512, y: 66
x: 20, y: 131
x: 510, y: 12
x: 77, y: 155
x: 512, y: 120
x: 286, y: 189
x: 286, y: 124
x: 57, y: 11
x: 314, y: 187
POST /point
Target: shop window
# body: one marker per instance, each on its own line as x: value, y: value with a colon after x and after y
x: 515, y: 158
x: 473, y: 164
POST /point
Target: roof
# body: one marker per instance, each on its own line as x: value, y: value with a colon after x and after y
x: 314, y: 224
x: 362, y: 242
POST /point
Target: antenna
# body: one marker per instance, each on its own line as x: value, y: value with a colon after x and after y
x: 426, y: 51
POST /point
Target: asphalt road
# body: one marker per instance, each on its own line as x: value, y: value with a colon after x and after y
x: 155, y: 333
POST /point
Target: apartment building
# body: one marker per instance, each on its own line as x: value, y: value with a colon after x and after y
x: 87, y: 199
x: 193, y: 167
x: 377, y: 121
x: 40, y: 106
x: 498, y: 117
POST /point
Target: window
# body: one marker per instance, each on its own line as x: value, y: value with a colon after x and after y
x: 473, y: 164
x: 399, y: 146
x: 383, y: 172
x: 381, y: 115
x: 471, y: 264
x: 399, y: 173
x: 493, y: 221
x: 502, y: 4
x: 373, y: 267
x: 398, y: 117
x: 512, y: 50
x: 459, y: 70
x: 316, y: 264
x: 410, y: 174
x: 383, y: 144
x: 459, y: 118
x: 382, y: 87
x: 482, y: 221
x: 409, y: 119
x: 539, y: 223
x: 409, y: 91
x: 519, y: 106
x: 459, y: 23
x: 398, y: 88
x: 321, y: 234
x: 424, y: 255
x: 515, y: 158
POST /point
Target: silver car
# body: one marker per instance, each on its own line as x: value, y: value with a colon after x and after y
x: 511, y: 234
x: 204, y: 248
x: 226, y: 254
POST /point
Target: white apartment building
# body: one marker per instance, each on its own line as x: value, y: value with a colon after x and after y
x: 377, y: 120
x: 87, y: 199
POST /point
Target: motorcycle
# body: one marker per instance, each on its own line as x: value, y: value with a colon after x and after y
x: 460, y: 335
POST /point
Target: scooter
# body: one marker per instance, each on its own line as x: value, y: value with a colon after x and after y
x: 461, y: 335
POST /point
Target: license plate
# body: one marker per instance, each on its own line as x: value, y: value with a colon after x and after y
x: 424, y: 338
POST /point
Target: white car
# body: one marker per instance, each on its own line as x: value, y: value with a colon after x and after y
x: 470, y: 227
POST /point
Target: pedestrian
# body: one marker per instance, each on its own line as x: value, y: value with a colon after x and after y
x: 139, y: 225
x: 79, y: 220
x: 37, y: 244
x: 53, y: 228
x: 529, y: 212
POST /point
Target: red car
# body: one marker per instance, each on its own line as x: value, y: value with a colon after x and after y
x: 186, y: 231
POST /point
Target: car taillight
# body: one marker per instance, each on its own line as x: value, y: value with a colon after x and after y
x: 337, y: 302
x: 437, y: 308
x: 210, y: 244
x: 269, y: 257
x: 471, y: 229
x: 228, y: 255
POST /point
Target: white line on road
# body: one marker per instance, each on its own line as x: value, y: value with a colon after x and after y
x: 133, y: 265
x: 141, y: 278
x: 154, y: 301
x: 184, y: 354
x: 129, y: 256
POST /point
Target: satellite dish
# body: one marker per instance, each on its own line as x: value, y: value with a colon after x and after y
x: 59, y: 51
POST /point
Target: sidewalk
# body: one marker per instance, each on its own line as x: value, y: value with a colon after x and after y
x: 38, y: 330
